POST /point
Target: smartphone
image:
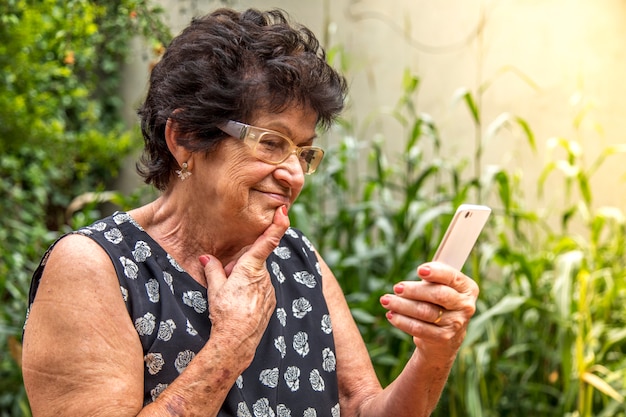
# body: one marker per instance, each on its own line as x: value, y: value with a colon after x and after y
x: 461, y: 235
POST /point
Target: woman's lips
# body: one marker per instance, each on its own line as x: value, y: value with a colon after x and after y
x: 280, y: 198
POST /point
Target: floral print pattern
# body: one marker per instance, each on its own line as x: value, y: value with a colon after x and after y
x: 170, y: 310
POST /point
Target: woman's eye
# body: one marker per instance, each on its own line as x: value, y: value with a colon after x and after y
x: 307, y: 155
x: 273, y: 143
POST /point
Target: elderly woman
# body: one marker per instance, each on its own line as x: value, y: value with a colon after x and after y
x: 204, y: 302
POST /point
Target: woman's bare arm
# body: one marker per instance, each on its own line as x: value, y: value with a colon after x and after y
x: 357, y: 380
x: 82, y: 355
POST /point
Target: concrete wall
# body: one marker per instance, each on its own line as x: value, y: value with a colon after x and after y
x: 558, y: 64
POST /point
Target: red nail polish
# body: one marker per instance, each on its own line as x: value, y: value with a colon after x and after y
x: 389, y: 315
x: 204, y: 260
x: 398, y: 288
x: 284, y: 209
x: 384, y: 300
x: 423, y: 271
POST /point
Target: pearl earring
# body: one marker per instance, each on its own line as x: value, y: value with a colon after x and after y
x: 183, y: 173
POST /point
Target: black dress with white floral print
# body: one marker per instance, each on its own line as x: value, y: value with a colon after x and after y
x: 294, y: 369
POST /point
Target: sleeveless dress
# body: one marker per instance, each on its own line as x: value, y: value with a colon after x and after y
x: 294, y: 369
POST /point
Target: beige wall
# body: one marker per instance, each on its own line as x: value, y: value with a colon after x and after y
x: 564, y: 58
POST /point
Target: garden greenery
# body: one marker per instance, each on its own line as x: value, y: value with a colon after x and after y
x: 61, y: 135
x: 549, y: 335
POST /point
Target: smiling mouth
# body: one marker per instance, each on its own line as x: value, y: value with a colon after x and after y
x: 280, y: 197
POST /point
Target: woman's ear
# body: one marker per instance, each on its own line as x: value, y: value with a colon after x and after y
x: 180, y: 153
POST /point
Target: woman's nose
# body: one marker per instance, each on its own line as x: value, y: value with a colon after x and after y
x: 291, y: 171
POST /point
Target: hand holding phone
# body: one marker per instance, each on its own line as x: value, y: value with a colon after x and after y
x: 461, y: 235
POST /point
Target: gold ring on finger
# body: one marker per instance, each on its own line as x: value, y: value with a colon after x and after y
x: 438, y: 319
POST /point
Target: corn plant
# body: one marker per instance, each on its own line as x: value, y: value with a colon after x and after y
x: 557, y: 349
x: 548, y: 335
x: 375, y: 221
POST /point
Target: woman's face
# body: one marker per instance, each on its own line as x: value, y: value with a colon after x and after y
x: 242, y: 193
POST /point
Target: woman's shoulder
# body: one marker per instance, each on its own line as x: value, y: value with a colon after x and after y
x: 74, y: 256
x: 72, y: 246
x: 112, y: 227
x: 77, y: 246
x: 73, y: 262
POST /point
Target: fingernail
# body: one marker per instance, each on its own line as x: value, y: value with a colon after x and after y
x: 204, y: 260
x: 389, y: 315
x: 398, y: 288
x: 423, y: 271
x: 384, y: 300
x: 284, y: 209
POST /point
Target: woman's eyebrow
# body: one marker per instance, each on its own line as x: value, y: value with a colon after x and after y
x: 285, y: 130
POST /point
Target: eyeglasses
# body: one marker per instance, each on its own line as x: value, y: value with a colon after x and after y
x: 273, y: 147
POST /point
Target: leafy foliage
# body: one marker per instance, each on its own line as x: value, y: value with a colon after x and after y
x: 548, y: 335
x: 61, y: 135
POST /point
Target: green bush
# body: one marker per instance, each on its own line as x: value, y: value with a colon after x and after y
x: 61, y: 135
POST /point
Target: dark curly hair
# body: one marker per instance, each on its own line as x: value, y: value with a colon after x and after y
x: 227, y: 66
